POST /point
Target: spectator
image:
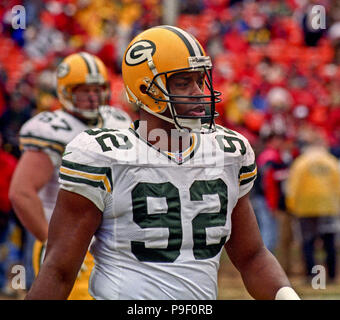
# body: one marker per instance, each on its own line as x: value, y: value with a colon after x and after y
x: 268, y: 193
x: 20, y: 110
x: 7, y: 167
x: 312, y: 34
x: 313, y: 196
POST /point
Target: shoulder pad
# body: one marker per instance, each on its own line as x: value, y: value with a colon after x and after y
x: 52, y: 130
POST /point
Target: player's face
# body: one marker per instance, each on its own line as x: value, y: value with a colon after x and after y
x: 188, y: 84
x: 87, y: 96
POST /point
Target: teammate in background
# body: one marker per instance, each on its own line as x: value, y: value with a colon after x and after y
x: 162, y: 197
x: 83, y: 90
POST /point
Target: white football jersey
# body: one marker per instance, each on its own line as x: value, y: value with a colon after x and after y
x: 51, y: 131
x: 166, y: 216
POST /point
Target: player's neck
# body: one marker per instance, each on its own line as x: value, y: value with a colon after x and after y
x: 162, y: 134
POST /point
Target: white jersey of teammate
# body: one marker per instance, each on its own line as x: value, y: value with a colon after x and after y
x: 166, y: 216
x: 51, y: 131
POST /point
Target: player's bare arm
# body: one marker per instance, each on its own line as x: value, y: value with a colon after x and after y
x: 34, y: 170
x: 261, y: 273
x: 74, y: 221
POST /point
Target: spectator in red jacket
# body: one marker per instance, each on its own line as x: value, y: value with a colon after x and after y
x: 272, y: 163
x: 7, y: 166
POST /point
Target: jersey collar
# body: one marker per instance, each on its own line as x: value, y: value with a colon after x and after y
x: 177, y: 157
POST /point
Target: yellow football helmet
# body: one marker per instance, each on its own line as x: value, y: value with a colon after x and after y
x: 151, y: 58
x: 81, y: 68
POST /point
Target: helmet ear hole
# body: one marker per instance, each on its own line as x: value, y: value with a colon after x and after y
x: 143, y: 88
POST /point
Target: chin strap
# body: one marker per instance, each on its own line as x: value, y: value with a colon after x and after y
x: 181, y: 124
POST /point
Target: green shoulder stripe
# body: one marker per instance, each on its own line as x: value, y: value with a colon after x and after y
x: 246, y: 169
x: 94, y: 176
x: 83, y: 181
x: 41, y: 143
x: 247, y: 174
x: 245, y: 181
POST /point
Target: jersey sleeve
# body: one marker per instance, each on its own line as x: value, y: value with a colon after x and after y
x: 83, y: 171
x: 37, y: 135
x: 248, y: 170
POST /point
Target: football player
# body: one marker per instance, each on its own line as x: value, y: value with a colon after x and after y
x: 83, y: 90
x: 163, y: 197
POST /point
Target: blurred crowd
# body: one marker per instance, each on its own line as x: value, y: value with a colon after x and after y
x: 278, y: 74
x: 53, y: 30
x: 271, y: 64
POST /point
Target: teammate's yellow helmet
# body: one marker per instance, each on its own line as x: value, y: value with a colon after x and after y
x: 151, y: 58
x: 81, y: 68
